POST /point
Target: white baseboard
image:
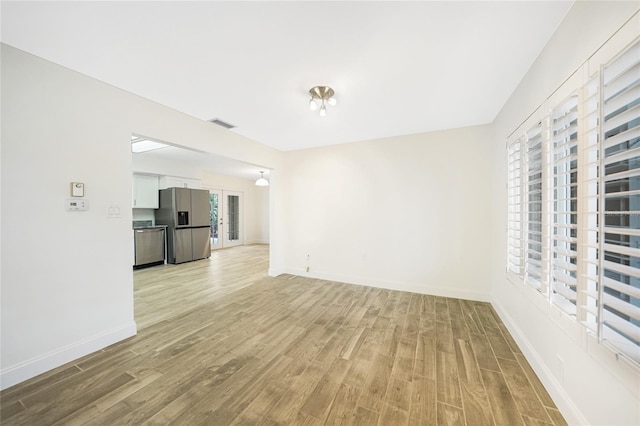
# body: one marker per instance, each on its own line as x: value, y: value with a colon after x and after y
x: 35, y: 366
x: 566, y: 406
x: 249, y: 242
x: 274, y: 272
x: 392, y: 285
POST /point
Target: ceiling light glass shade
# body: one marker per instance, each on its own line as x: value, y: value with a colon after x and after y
x: 262, y: 181
x: 324, y: 95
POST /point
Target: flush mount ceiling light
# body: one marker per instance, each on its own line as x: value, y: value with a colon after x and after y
x: 322, y: 95
x: 262, y: 181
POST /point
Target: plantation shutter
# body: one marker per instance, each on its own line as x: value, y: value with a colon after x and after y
x: 533, y: 214
x: 564, y: 248
x: 620, y: 263
x: 514, y: 213
x: 589, y: 147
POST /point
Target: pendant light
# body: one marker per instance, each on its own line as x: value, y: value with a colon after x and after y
x: 261, y: 180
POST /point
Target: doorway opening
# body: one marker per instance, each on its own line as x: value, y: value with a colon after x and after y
x: 239, y: 217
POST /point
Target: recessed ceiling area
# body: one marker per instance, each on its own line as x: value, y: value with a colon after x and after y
x: 396, y: 67
x: 201, y: 160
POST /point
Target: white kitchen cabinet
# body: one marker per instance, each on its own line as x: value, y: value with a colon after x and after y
x: 145, y: 191
x: 179, y: 182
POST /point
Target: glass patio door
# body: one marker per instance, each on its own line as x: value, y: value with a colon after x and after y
x: 215, y: 215
x: 225, y: 218
x: 232, y: 207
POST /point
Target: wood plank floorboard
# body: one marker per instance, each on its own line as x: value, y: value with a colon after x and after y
x: 221, y: 343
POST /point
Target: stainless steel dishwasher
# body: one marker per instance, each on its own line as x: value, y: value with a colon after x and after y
x: 149, y: 246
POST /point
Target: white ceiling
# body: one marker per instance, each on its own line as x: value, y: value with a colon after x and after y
x: 397, y: 67
x: 208, y: 162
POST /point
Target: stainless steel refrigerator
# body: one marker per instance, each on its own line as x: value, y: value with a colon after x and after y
x: 186, y: 212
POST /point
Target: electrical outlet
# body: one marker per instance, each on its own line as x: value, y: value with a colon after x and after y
x: 113, y: 211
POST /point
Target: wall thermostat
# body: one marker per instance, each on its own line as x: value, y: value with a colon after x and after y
x: 77, y: 189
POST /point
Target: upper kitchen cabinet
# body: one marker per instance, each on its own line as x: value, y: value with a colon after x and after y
x: 145, y: 191
x: 179, y: 182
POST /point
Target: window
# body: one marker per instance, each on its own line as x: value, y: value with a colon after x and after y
x: 533, y: 215
x: 574, y: 204
x: 589, y: 149
x: 514, y: 243
x: 620, y: 294
x: 564, y: 269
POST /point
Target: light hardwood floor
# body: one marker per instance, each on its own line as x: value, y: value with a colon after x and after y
x: 220, y: 342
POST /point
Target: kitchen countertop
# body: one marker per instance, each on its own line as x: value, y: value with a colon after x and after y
x: 146, y: 224
x: 150, y: 227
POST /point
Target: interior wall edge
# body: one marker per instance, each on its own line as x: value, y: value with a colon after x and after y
x: 275, y: 272
x: 410, y: 287
x: 565, y: 404
x: 36, y: 366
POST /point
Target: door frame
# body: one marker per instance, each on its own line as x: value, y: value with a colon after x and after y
x: 223, y: 241
x: 225, y: 208
x: 216, y: 245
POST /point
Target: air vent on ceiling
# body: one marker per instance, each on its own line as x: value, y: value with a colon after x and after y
x: 221, y: 123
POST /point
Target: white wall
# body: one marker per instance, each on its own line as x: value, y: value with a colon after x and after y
x: 66, y: 278
x: 591, y: 387
x: 401, y: 213
x: 255, y: 201
x: 262, y: 215
x: 161, y: 166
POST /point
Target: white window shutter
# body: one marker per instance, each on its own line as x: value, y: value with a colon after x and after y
x: 564, y: 245
x: 574, y: 203
x: 620, y: 212
x: 588, y: 261
x: 514, y: 201
x: 533, y: 214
